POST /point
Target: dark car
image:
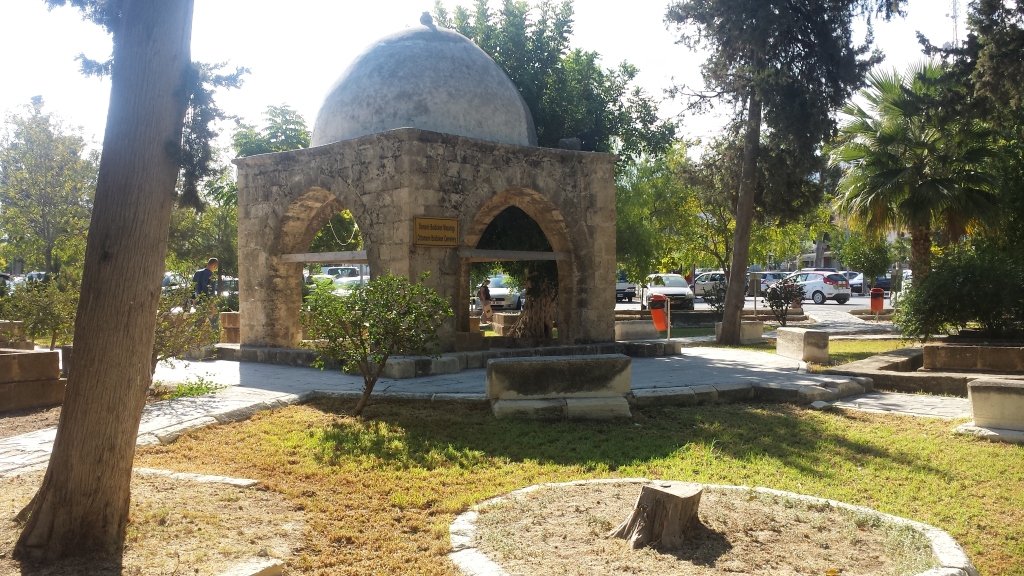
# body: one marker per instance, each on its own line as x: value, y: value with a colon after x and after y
x: 857, y: 284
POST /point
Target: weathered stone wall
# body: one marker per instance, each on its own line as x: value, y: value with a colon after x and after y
x: 388, y: 179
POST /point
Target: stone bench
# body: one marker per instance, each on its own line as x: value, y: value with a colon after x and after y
x: 12, y: 336
x: 229, y: 328
x: 592, y: 386
x: 997, y: 403
x: 636, y: 330
x: 802, y: 344
x: 30, y: 379
x: 940, y: 356
x: 751, y: 331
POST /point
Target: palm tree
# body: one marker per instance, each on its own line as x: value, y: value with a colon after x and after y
x: 908, y: 168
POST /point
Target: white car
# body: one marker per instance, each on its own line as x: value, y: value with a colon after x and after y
x: 672, y: 286
x: 344, y: 285
x: 767, y: 279
x: 821, y: 286
x: 503, y: 296
x: 705, y: 283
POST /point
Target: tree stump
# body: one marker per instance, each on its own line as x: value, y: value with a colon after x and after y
x: 663, y: 515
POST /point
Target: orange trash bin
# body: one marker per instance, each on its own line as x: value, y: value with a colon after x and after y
x: 657, y: 305
x: 877, y: 299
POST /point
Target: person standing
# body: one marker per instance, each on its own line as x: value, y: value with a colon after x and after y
x: 204, y: 290
x: 484, y: 295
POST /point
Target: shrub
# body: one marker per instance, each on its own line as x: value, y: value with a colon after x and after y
x: 47, y: 307
x: 781, y: 296
x: 182, y: 323
x: 362, y: 329
x: 969, y: 288
x: 716, y: 297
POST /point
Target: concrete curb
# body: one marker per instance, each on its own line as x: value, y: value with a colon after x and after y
x: 990, y: 434
x: 948, y: 554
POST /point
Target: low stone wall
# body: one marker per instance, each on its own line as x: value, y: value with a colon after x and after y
x: 30, y: 379
x: 592, y: 386
x: 802, y: 344
x: 974, y: 358
x: 503, y: 322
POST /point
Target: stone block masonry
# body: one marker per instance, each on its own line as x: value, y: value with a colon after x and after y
x: 591, y: 386
x: 997, y: 403
x: 30, y: 379
x: 802, y: 344
x: 751, y: 331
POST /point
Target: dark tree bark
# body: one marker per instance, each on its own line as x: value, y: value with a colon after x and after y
x: 920, y: 250
x: 735, y: 293
x: 82, y: 506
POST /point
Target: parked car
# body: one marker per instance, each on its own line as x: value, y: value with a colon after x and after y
x: 342, y: 271
x: 624, y: 289
x: 822, y: 286
x: 672, y: 286
x: 705, y: 282
x: 503, y: 296
x: 767, y: 279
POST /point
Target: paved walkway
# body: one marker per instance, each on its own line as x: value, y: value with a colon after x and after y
x: 838, y: 321
x: 251, y: 387
x: 908, y: 404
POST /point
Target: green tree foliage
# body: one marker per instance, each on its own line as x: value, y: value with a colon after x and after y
x: 285, y: 129
x: 869, y: 254
x: 567, y: 91
x: 906, y: 168
x: 197, y: 235
x: 785, y: 67
x: 47, y: 182
x: 970, y: 286
x: 362, y: 329
x: 655, y: 213
x: 46, y: 307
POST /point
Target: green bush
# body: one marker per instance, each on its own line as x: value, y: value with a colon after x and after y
x: 47, y: 307
x: 362, y: 329
x: 716, y: 297
x: 970, y: 288
x: 781, y: 296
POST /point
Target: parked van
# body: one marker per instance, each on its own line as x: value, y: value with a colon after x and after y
x: 624, y: 290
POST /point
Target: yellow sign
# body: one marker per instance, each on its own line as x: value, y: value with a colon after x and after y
x: 436, y: 232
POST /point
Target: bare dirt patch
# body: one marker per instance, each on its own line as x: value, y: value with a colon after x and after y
x: 14, y: 422
x: 562, y: 530
x: 176, y: 527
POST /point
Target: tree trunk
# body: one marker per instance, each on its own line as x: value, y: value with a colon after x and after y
x: 920, y: 251
x: 744, y: 217
x: 664, y: 514
x: 82, y: 506
x: 536, y: 319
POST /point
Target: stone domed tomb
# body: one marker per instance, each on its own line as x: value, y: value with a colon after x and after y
x: 425, y: 140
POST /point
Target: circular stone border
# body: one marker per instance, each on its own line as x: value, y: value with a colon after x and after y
x: 952, y: 559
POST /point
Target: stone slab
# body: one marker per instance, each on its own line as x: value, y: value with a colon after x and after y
x: 997, y: 403
x: 599, y: 375
x: 991, y: 434
x: 734, y: 391
x: 635, y: 330
x: 28, y: 365
x: 597, y: 408
x: 802, y: 344
x: 32, y: 394
x: 680, y: 396
x: 259, y: 567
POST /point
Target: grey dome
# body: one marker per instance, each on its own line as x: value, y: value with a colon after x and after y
x: 428, y: 78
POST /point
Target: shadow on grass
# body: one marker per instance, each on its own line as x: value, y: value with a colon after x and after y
x: 432, y: 435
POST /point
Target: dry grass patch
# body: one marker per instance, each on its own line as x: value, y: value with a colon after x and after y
x: 176, y: 527
x: 563, y: 530
x: 379, y: 493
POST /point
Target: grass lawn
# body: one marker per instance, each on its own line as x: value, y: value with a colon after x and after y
x: 379, y: 493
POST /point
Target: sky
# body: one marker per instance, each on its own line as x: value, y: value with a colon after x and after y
x: 297, y: 49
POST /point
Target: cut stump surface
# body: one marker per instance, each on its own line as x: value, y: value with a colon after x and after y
x: 663, y: 515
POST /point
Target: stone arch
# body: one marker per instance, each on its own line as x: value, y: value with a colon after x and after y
x: 302, y: 217
x: 551, y: 222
